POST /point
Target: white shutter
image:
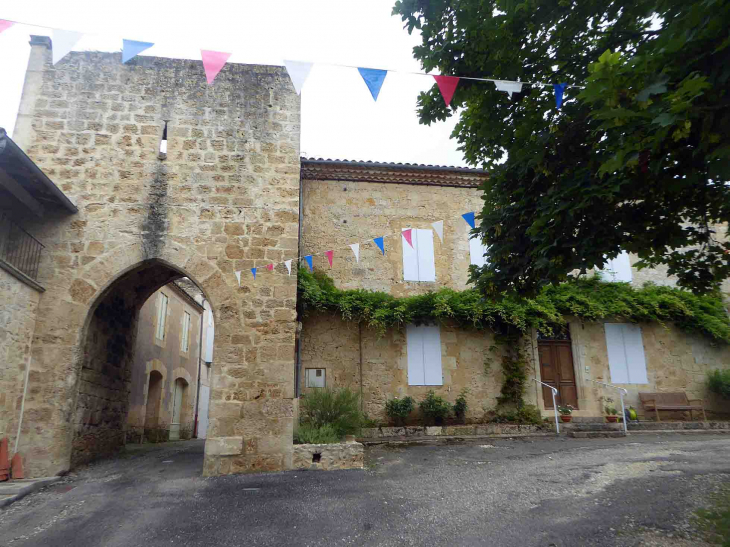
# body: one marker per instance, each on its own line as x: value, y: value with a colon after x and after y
x: 414, y: 348
x: 635, y: 360
x: 616, y: 353
x: 424, y: 249
x: 476, y: 251
x: 432, y: 355
x: 161, y: 316
x: 209, y: 337
x: 184, y: 342
x: 410, y: 258
x: 618, y: 269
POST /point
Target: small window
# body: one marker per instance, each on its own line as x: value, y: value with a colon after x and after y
x: 161, y: 316
x: 617, y: 269
x: 315, y: 377
x: 163, y: 141
x: 185, y: 339
x: 477, y: 250
x: 625, y: 348
x: 424, y: 355
x: 418, y: 261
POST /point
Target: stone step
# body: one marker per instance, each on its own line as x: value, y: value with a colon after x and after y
x: 594, y: 426
x: 595, y: 434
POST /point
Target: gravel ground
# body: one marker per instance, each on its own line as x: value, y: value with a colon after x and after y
x: 637, y: 491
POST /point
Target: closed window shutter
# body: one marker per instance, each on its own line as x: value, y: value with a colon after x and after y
x: 410, y: 258
x: 618, y: 269
x: 161, y: 316
x: 424, y: 249
x: 476, y: 251
x: 616, y: 353
x: 432, y: 356
x: 635, y: 359
x: 414, y: 348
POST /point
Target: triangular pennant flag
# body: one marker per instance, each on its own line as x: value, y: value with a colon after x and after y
x: 469, y: 217
x: 356, y: 249
x: 270, y: 267
x: 559, y: 90
x: 308, y: 258
x: 287, y: 263
x: 447, y: 86
x: 253, y: 271
x: 408, y: 235
x: 381, y: 245
x: 374, y: 79
x: 439, y: 227
x: 238, y: 277
x: 132, y: 48
x: 63, y: 43
x: 5, y: 25
x: 213, y: 62
x: 329, y: 255
x: 298, y: 72
x: 508, y: 87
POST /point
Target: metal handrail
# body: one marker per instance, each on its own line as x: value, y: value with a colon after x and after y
x: 555, y: 406
x: 621, y: 392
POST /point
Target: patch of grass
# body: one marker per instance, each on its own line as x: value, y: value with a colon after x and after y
x: 309, y: 434
x: 714, y: 523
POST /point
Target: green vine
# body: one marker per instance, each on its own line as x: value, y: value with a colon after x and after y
x: 587, y: 299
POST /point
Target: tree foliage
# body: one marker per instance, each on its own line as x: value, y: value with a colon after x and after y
x: 637, y: 159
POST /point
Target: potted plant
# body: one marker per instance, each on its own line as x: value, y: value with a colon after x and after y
x: 610, y: 410
x: 566, y: 412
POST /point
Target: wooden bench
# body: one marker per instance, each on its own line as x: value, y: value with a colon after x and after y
x: 671, y: 401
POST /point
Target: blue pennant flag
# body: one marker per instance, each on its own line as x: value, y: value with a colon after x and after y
x: 253, y: 271
x: 374, y: 78
x: 132, y: 48
x: 559, y: 90
x: 469, y: 217
x: 379, y: 242
x: 308, y: 258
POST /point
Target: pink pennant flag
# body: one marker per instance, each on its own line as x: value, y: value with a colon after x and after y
x: 270, y: 267
x: 213, y: 62
x: 5, y: 25
x: 447, y: 86
x: 408, y: 235
x: 329, y: 255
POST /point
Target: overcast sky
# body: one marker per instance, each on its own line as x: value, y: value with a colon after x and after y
x: 339, y: 117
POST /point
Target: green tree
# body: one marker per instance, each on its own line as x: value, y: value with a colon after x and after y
x: 637, y: 158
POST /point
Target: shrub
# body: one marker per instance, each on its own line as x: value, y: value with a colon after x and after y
x: 339, y: 408
x: 526, y: 414
x: 718, y: 381
x: 434, y: 408
x: 461, y: 405
x: 309, y: 434
x: 399, y: 409
x: 529, y: 414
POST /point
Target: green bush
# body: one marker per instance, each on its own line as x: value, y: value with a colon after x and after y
x: 339, y: 408
x: 434, y: 408
x: 461, y: 405
x: 718, y: 381
x: 309, y: 434
x: 399, y: 409
x: 524, y: 415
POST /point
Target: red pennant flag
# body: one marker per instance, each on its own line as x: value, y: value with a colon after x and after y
x: 270, y: 267
x: 213, y: 62
x: 329, y: 255
x: 447, y: 86
x: 408, y: 234
x: 5, y: 25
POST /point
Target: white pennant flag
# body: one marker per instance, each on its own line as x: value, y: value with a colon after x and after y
x: 287, y: 263
x: 298, y: 72
x: 238, y: 276
x: 63, y: 43
x: 356, y: 249
x: 439, y: 227
x: 508, y: 87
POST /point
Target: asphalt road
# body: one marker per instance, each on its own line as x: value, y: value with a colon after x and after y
x: 537, y: 492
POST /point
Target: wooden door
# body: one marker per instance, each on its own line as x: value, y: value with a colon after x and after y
x: 556, y: 369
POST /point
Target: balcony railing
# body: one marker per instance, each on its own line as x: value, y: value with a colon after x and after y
x: 18, y: 248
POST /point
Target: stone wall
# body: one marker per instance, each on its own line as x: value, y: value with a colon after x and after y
x: 328, y: 456
x: 17, y: 322
x: 223, y: 198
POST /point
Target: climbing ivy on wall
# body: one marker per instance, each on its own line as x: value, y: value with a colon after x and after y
x: 588, y: 299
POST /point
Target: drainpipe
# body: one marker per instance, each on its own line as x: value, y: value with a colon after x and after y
x: 362, y: 403
x: 298, y: 366
x: 200, y: 360
x: 22, y: 404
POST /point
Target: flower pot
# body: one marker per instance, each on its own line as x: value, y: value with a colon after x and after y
x: 565, y: 417
x: 612, y: 419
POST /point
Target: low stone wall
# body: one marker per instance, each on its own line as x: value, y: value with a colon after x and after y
x: 328, y: 456
x: 454, y: 430
x: 673, y: 426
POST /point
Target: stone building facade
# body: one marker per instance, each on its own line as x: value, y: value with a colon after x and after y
x: 167, y: 361
x: 224, y: 197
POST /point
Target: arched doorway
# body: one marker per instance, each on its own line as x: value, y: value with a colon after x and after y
x: 178, y: 427
x: 152, y: 411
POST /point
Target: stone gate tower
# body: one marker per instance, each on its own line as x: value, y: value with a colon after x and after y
x: 223, y: 197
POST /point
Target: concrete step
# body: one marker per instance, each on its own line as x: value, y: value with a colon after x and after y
x: 595, y: 434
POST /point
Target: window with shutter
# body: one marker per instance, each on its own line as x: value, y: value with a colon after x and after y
x: 618, y: 269
x: 418, y: 261
x: 476, y: 251
x: 423, y: 344
x: 626, y: 360
x: 185, y: 338
x: 161, y: 316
